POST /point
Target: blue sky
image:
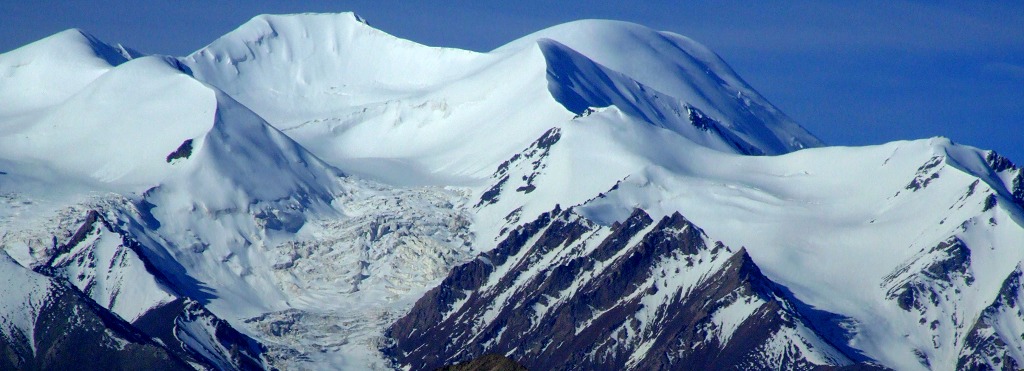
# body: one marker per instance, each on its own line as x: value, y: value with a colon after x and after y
x: 852, y: 72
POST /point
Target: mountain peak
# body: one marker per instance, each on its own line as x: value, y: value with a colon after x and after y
x: 680, y: 68
x: 293, y: 28
x: 567, y: 159
x: 339, y: 17
x: 50, y: 70
x: 76, y: 39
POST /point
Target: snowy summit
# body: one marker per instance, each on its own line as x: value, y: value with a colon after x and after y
x: 309, y: 192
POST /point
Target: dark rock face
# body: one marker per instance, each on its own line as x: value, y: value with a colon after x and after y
x: 930, y: 284
x: 183, y: 151
x: 564, y: 293
x: 490, y: 362
x: 187, y: 330
x: 699, y: 119
x: 491, y: 195
x: 234, y: 349
x: 703, y: 122
x: 939, y: 268
x: 955, y: 259
x: 527, y: 165
x: 988, y: 343
x: 990, y: 202
x: 926, y: 173
x: 184, y: 323
x: 1000, y: 164
x: 70, y: 331
x: 1018, y: 188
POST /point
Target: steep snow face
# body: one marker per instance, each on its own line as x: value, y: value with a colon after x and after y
x: 22, y: 297
x: 106, y: 266
x: 119, y: 131
x: 205, y: 169
x: 581, y: 85
x: 45, y: 324
x: 249, y: 161
x: 244, y: 187
x: 682, y: 68
x: 331, y: 82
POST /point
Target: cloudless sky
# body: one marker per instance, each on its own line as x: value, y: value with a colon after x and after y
x: 851, y: 72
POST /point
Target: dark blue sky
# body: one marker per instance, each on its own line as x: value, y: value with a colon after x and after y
x: 852, y: 72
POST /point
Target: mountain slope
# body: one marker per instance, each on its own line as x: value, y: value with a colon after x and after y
x: 918, y: 255
x: 108, y: 265
x: 682, y: 68
x: 201, y: 154
x: 197, y: 169
x: 46, y: 325
x: 218, y: 205
x: 563, y: 293
x: 345, y: 81
x: 53, y: 69
x: 295, y: 64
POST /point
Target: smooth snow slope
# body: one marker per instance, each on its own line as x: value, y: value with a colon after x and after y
x: 296, y: 65
x: 50, y: 70
x: 94, y: 136
x: 367, y: 101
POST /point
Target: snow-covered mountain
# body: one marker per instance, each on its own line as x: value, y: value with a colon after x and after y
x: 331, y: 82
x: 45, y: 324
x: 562, y: 292
x: 310, y: 192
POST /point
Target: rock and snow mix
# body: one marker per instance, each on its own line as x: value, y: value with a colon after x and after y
x: 284, y: 195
